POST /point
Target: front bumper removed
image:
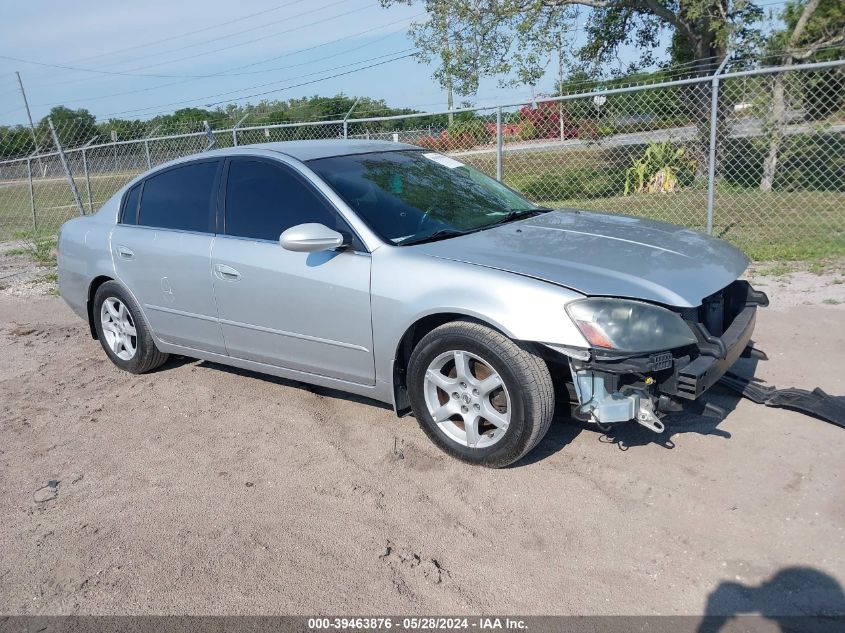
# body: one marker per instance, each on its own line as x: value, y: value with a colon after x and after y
x: 612, y: 389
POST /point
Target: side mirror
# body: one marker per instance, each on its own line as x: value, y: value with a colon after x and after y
x: 310, y: 238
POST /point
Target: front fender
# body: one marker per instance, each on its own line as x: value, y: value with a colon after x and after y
x: 407, y: 287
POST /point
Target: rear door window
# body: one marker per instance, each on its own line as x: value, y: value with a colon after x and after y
x: 181, y: 198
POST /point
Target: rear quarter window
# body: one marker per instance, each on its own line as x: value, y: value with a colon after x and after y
x: 129, y: 212
x: 181, y: 198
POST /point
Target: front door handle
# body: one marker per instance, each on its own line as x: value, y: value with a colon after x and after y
x: 227, y: 272
x: 125, y: 253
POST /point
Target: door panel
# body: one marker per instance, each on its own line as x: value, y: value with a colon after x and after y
x: 303, y: 311
x: 169, y: 272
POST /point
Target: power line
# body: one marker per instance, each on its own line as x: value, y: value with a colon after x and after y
x: 349, y: 72
x: 129, y: 73
x: 188, y: 33
x: 208, y: 28
x: 147, y: 89
x: 10, y: 111
x: 252, y: 41
x: 288, y: 54
x: 76, y: 68
x: 261, y: 94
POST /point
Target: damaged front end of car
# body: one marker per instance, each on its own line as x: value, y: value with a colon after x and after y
x: 647, y: 360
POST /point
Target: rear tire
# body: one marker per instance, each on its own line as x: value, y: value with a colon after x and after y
x: 123, y: 331
x: 478, y: 395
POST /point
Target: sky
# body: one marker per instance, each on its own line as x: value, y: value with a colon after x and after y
x: 155, y: 57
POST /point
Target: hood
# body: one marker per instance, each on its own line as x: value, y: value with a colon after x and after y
x: 603, y: 255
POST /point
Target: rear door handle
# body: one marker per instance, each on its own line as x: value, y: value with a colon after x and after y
x: 227, y: 272
x: 125, y: 253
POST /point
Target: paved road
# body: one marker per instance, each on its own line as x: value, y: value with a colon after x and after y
x: 744, y: 128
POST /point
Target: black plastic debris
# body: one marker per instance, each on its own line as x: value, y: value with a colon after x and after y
x: 816, y: 403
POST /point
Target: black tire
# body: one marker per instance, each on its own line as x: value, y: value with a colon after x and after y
x: 147, y: 356
x: 525, y: 375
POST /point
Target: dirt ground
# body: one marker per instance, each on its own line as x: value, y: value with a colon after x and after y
x: 205, y: 490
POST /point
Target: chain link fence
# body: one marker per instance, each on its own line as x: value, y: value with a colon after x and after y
x: 764, y: 169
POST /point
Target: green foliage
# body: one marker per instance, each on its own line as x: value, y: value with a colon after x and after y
x: 825, y: 23
x: 661, y: 169
x: 807, y: 162
x: 15, y: 141
x: 472, y: 131
x: 39, y: 246
x: 74, y: 127
x: 516, y: 41
x: 574, y: 184
x: 527, y: 131
x: 78, y: 127
x: 823, y: 93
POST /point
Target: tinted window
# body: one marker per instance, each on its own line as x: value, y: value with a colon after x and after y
x: 180, y: 198
x: 264, y: 199
x: 406, y: 195
x: 130, y: 205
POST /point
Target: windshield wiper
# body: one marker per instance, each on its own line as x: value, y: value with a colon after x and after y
x: 440, y: 234
x: 518, y: 214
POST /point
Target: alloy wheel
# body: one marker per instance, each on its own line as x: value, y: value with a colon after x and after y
x: 118, y: 328
x: 467, y: 399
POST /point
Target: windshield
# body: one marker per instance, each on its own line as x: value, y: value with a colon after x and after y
x: 412, y: 196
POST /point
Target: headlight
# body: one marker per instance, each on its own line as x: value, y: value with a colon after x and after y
x: 629, y: 326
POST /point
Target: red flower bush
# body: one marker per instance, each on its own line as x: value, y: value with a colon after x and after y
x: 545, y: 120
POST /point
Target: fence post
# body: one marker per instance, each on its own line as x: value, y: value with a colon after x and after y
x: 147, y: 153
x: 714, y: 121
x: 499, y: 143
x: 209, y: 134
x: 235, y: 129
x: 66, y: 167
x: 87, y: 180
x: 31, y: 193
x: 349, y: 114
x: 114, y: 148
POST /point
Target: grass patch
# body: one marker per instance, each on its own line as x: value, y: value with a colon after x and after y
x: 777, y: 225
x: 40, y: 247
x: 782, y: 225
x: 52, y: 277
x: 54, y: 203
x: 777, y: 270
x: 832, y: 302
x: 774, y: 226
x: 817, y: 267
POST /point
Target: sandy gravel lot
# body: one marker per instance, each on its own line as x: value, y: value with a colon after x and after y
x: 200, y: 489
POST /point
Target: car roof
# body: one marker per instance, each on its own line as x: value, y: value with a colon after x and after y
x: 324, y: 148
x: 299, y: 150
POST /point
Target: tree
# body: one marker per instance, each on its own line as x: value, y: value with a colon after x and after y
x: 810, y: 28
x: 74, y: 127
x: 498, y: 37
x: 517, y: 38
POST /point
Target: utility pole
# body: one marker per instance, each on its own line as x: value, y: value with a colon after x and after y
x: 447, y: 67
x: 449, y: 98
x: 29, y: 116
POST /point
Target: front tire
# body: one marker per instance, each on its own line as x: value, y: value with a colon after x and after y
x: 478, y: 395
x: 123, y: 332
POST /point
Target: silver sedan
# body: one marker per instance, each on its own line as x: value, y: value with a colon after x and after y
x: 407, y: 276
